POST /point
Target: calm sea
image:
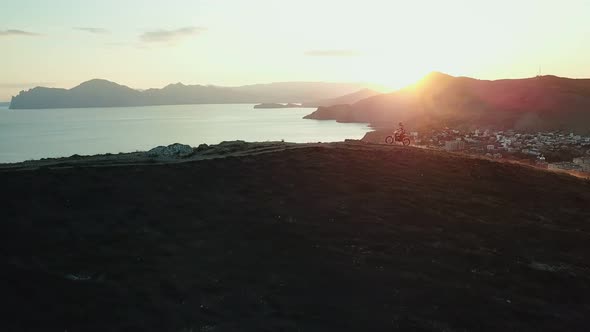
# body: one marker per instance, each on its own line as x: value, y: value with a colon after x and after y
x: 35, y: 134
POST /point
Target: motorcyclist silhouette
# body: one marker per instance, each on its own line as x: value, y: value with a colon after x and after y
x: 399, y: 135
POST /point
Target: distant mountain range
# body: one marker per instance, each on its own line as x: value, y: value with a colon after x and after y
x: 102, y: 93
x: 539, y: 103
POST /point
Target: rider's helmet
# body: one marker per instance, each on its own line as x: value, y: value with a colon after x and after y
x: 401, y: 124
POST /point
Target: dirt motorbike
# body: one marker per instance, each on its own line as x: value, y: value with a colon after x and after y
x: 398, y: 137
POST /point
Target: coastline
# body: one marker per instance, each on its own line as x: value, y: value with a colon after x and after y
x: 242, y: 149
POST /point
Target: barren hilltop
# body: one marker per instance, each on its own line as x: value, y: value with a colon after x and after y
x: 273, y: 236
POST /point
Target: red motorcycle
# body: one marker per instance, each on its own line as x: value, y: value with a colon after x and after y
x: 398, y: 137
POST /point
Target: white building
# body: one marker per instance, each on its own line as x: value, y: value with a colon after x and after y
x: 454, y: 145
x: 584, y: 163
x: 565, y: 166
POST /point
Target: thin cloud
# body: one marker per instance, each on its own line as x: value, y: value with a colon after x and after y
x: 15, y: 32
x: 170, y: 36
x: 97, y: 31
x: 117, y: 44
x: 332, y: 53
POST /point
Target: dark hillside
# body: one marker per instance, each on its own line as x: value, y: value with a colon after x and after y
x: 329, y: 238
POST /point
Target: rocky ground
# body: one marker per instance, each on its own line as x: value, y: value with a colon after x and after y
x: 274, y: 236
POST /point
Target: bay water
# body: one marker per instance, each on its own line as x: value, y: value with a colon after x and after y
x: 45, y: 133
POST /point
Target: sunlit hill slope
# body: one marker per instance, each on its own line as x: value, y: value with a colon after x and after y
x: 539, y: 103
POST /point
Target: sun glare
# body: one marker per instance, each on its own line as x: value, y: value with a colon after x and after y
x: 398, y: 77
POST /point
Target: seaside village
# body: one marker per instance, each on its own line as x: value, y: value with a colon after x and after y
x: 552, y: 150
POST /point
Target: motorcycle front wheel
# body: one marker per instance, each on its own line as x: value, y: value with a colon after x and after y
x: 389, y: 140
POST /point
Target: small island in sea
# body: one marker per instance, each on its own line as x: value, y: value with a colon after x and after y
x: 277, y: 105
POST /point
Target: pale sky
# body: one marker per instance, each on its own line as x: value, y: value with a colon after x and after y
x: 151, y: 43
